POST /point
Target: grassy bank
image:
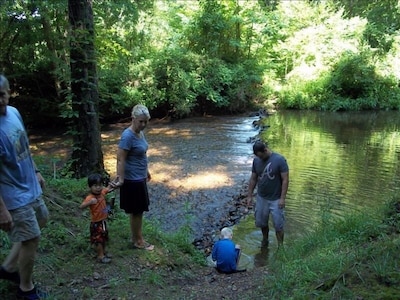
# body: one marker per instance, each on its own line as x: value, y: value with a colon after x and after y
x: 356, y: 257
x: 66, y: 264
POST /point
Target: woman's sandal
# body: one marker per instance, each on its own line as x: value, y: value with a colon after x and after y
x: 147, y: 246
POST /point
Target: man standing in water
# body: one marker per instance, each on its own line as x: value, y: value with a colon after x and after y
x: 270, y: 173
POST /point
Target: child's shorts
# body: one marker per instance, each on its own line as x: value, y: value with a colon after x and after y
x: 98, y: 232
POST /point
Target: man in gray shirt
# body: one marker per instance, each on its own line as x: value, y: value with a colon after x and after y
x: 270, y: 173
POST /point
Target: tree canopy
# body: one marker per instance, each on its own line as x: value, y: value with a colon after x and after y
x: 206, y: 56
x: 183, y: 58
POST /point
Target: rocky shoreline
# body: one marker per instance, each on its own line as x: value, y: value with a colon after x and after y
x: 235, y: 211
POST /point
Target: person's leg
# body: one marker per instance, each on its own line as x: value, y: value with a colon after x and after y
x: 98, y: 237
x: 101, y: 254
x: 238, y: 252
x: 279, y: 237
x: 261, y: 214
x: 10, y: 264
x: 26, y: 260
x: 137, y: 235
x: 104, y: 237
x: 136, y: 228
x: 100, y: 250
x: 265, y: 233
x: 278, y: 216
x: 9, y: 268
x: 25, y: 236
x: 94, y: 238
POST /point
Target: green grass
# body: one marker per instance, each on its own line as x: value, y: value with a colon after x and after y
x: 351, y: 258
x: 66, y: 260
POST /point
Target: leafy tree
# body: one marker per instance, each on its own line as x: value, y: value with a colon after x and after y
x: 121, y: 43
x: 383, y: 19
x: 34, y: 56
x: 216, y: 30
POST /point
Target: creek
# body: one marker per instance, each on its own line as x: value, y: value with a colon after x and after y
x: 340, y: 163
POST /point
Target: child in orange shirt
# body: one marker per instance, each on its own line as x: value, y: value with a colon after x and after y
x: 99, y: 212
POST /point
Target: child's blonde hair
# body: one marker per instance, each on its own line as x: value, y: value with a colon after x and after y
x: 226, y: 233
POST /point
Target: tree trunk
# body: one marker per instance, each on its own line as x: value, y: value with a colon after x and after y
x: 87, y: 155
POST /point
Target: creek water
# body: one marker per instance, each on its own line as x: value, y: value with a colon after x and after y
x: 339, y: 162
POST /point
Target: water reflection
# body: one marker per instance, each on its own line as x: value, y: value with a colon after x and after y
x: 339, y: 163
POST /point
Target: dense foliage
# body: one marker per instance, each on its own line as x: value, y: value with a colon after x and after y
x: 188, y: 57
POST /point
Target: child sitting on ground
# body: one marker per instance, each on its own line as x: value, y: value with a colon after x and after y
x: 226, y: 253
x: 99, y: 212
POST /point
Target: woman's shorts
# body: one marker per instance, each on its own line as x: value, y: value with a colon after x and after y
x: 134, y: 197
